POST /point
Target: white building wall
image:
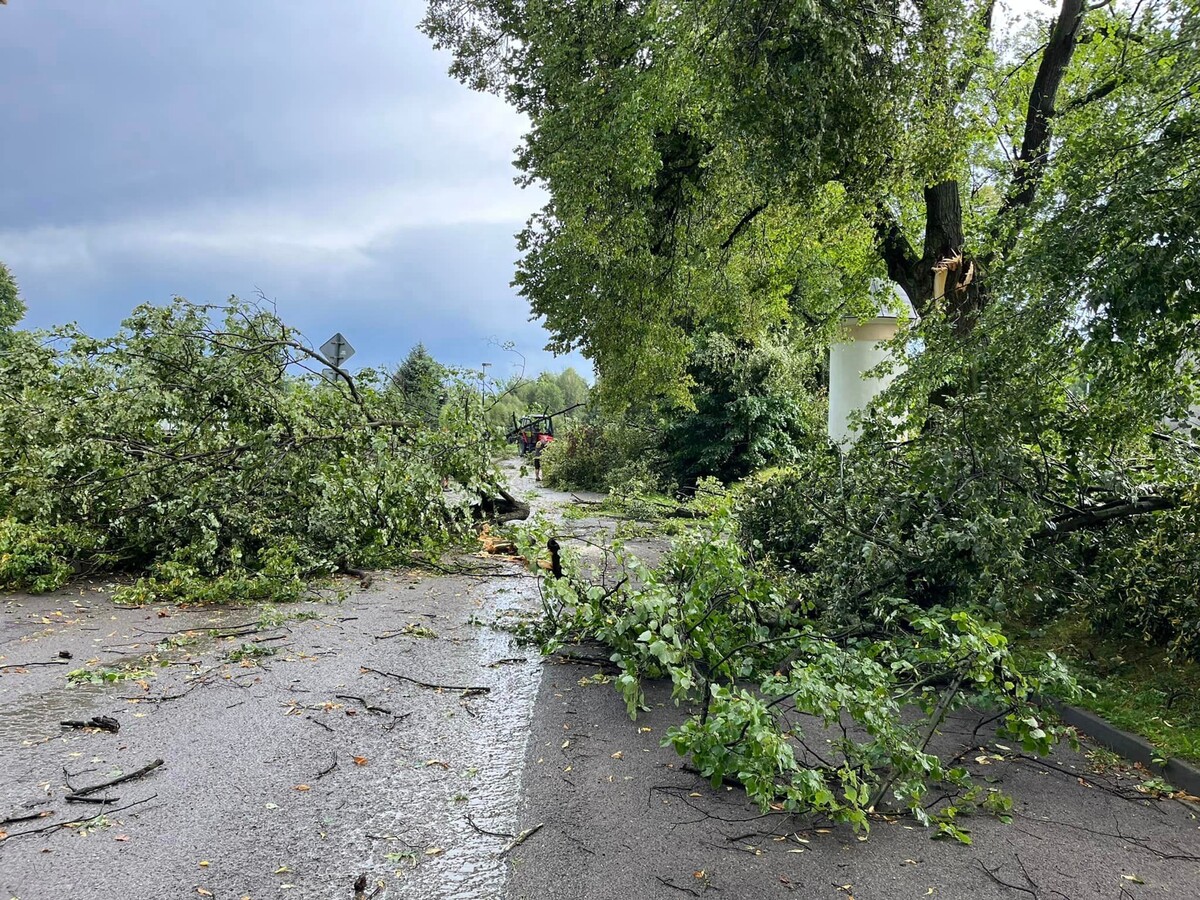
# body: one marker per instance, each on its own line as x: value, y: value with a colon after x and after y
x: 849, y: 392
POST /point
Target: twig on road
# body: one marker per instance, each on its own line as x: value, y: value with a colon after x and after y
x: 163, y: 698
x: 327, y: 770
x: 57, y: 825
x: 367, y: 706
x: 499, y: 834
x: 28, y: 817
x: 1128, y: 839
x: 678, y: 887
x: 1000, y: 881
x: 1084, y: 779
x: 52, y: 662
x: 83, y: 792
x: 319, y: 722
x: 523, y: 837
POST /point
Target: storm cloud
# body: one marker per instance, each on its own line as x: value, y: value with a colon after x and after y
x: 313, y: 150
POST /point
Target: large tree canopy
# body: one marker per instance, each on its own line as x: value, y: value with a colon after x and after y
x: 664, y: 132
x: 729, y: 163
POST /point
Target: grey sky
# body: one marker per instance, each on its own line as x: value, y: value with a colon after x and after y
x: 317, y: 150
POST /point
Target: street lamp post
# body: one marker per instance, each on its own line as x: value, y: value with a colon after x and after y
x: 483, y: 392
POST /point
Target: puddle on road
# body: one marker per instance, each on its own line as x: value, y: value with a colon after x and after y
x: 37, y: 716
x: 488, y: 760
x: 33, y: 713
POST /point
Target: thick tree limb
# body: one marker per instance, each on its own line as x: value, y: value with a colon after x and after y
x: 1033, y: 154
x: 902, y: 261
x: 1099, y: 515
x: 944, y: 242
x: 505, y: 508
x: 742, y: 224
x: 1098, y: 92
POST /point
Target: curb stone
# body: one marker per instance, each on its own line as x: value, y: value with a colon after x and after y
x: 1180, y: 774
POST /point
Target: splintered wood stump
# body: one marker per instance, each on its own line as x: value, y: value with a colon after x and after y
x: 505, y: 508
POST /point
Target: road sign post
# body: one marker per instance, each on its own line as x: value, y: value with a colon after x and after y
x: 336, y: 351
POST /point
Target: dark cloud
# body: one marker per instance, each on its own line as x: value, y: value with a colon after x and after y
x: 314, y: 149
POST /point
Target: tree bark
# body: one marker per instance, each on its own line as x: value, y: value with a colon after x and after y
x: 1102, y: 515
x: 902, y: 263
x: 943, y: 272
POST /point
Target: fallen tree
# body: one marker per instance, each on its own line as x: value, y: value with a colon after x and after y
x: 771, y: 676
x: 201, y: 448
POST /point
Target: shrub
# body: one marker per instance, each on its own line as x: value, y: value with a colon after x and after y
x: 777, y: 519
x: 601, y: 456
x: 192, y: 448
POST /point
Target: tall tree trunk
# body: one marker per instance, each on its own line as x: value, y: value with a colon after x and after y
x: 953, y: 275
x: 945, y: 274
x: 1035, y: 146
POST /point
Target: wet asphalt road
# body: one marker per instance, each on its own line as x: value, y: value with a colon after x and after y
x: 624, y: 819
x: 286, y: 775
x: 291, y: 771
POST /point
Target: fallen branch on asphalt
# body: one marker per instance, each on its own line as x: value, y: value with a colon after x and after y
x: 328, y: 769
x: 367, y: 706
x: 104, y: 723
x: 602, y: 663
x: 1031, y: 891
x: 163, y: 699
x: 472, y: 571
x: 467, y: 690
x: 85, y: 819
x: 508, y: 660
x: 52, y: 662
x: 484, y: 831
x: 233, y: 630
x: 365, y: 578
x: 27, y: 817
x: 144, y: 770
x: 678, y: 887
